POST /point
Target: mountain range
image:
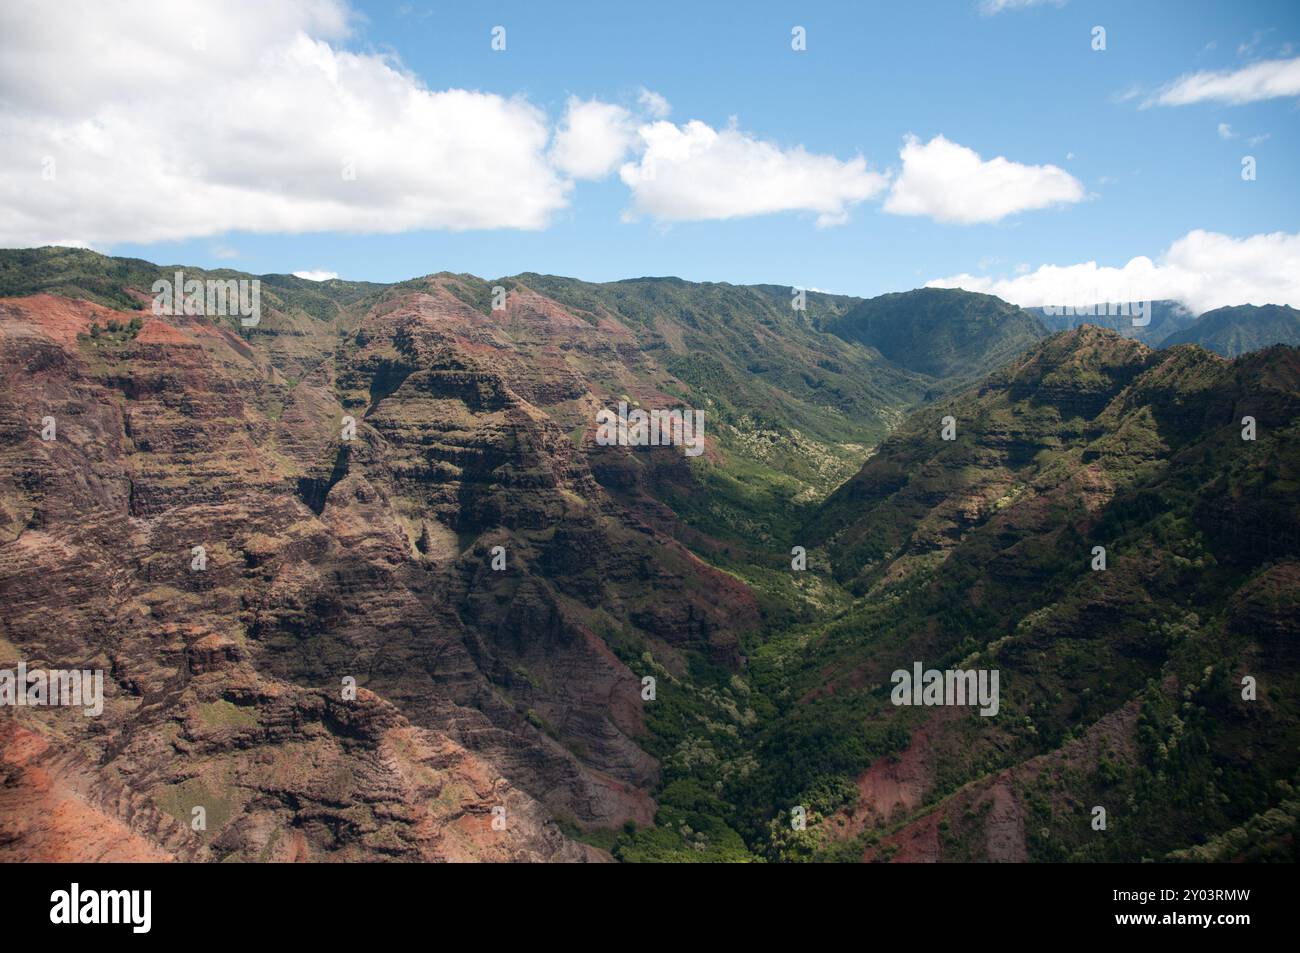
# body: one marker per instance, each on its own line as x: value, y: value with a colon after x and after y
x: 434, y: 618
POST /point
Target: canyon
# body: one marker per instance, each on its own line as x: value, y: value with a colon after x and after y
x: 365, y: 558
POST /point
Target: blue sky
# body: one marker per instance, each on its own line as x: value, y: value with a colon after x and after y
x: 1024, y: 84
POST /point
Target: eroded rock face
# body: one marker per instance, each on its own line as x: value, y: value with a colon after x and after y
x: 200, y: 529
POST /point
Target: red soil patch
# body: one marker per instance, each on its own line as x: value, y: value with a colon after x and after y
x: 43, y: 818
x: 918, y: 843
x: 59, y: 319
x: 898, y: 784
x: 159, y: 332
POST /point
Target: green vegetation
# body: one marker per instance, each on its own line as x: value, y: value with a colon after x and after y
x: 81, y: 273
x: 951, y: 335
x: 226, y: 714
x: 219, y: 804
x: 113, y: 332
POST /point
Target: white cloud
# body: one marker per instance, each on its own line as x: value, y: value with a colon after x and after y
x: 1268, y: 79
x: 593, y: 139
x: 1204, y: 270
x: 316, y: 274
x: 992, y: 7
x: 1225, y: 131
x: 654, y: 104
x: 951, y: 183
x: 1248, y: 47
x: 694, y: 172
x: 170, y: 120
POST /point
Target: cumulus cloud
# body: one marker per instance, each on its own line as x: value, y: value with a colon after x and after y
x: 593, y: 139
x: 1225, y: 131
x: 202, y: 118
x: 1268, y: 79
x: 951, y: 183
x: 694, y: 172
x: 316, y: 274
x: 1204, y: 270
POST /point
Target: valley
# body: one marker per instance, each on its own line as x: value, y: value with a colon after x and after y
x: 512, y: 688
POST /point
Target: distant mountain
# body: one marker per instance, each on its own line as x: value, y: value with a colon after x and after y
x: 1166, y: 318
x: 1240, y: 329
x: 1226, y: 331
x: 82, y: 273
x: 946, y: 334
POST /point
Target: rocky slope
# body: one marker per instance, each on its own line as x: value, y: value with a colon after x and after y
x: 398, y: 489
x: 328, y: 559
